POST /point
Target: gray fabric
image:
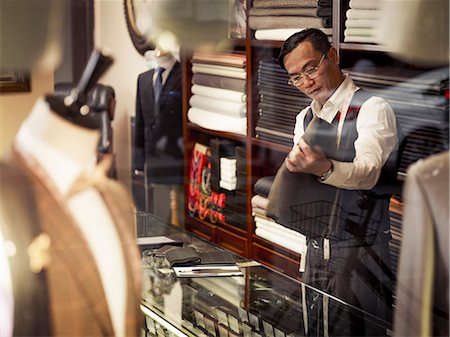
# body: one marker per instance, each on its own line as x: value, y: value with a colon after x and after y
x: 221, y: 82
x: 273, y: 22
x: 290, y: 3
x: 312, y: 12
x: 283, y: 11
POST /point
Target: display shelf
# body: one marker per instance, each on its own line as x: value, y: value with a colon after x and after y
x: 264, y: 157
x: 271, y: 145
x: 220, y: 134
x: 263, y: 302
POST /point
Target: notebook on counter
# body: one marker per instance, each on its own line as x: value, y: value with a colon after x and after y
x: 187, y: 262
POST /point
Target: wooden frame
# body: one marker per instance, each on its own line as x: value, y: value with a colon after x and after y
x: 15, y: 81
x: 140, y: 42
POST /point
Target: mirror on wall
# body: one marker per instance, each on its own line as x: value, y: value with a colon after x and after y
x: 137, y: 24
x: 169, y: 24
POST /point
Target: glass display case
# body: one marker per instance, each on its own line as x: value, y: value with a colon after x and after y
x: 262, y: 302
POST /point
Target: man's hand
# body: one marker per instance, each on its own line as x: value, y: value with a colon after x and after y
x: 304, y: 159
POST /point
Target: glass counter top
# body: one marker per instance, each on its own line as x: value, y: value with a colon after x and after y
x: 262, y: 302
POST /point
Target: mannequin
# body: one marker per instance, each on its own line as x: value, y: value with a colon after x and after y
x: 90, y: 258
x: 158, y: 138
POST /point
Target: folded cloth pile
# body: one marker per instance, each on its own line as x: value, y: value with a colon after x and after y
x: 218, y: 101
x: 266, y: 227
x: 278, y: 19
x: 278, y: 104
x: 362, y: 21
x: 420, y: 101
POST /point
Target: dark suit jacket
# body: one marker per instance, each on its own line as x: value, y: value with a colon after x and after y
x: 158, y: 136
x: 77, y: 303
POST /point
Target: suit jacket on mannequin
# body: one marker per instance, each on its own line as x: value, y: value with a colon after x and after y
x: 158, y: 136
x: 78, y: 302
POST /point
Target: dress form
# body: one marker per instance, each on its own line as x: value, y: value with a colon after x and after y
x: 62, y: 151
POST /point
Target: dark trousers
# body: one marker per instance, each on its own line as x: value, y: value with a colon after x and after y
x: 358, y: 276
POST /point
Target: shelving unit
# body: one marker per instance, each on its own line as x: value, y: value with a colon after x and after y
x: 263, y: 157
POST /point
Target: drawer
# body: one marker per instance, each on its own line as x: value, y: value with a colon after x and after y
x: 201, y: 229
x: 231, y: 241
x: 275, y: 260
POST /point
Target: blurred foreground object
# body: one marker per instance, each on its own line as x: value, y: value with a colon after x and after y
x: 30, y: 34
x: 416, y: 31
x: 193, y: 24
x: 422, y: 307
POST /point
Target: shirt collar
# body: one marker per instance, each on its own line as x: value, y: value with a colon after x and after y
x: 167, y: 64
x: 339, y: 101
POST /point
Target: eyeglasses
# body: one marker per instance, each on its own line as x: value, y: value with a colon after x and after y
x: 297, y: 79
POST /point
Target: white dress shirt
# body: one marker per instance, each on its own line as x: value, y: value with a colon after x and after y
x: 377, y: 136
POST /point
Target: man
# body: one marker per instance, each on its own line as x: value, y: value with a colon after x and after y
x: 158, y: 137
x: 351, y: 259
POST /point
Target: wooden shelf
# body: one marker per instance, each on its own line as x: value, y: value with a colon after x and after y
x: 228, y: 135
x: 263, y: 158
x: 267, y: 43
x: 269, y: 145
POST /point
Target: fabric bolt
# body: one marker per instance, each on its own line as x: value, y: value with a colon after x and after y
x: 364, y: 4
x: 312, y: 12
x: 291, y: 3
x: 273, y: 22
x: 262, y: 185
x: 273, y: 139
x: 361, y: 39
x: 281, y: 34
x: 222, y: 94
x: 286, y: 135
x: 218, y: 70
x: 227, y: 108
x: 230, y: 59
x: 220, y: 67
x: 270, y: 224
x: 218, y: 122
x: 361, y: 23
x: 277, y: 239
x: 360, y: 31
x: 362, y: 14
x: 221, y: 82
x: 258, y: 201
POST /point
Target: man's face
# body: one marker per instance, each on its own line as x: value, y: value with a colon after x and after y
x: 326, y: 78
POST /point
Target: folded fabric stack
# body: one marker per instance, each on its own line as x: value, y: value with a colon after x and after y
x: 266, y: 227
x: 236, y: 204
x: 395, y: 213
x: 279, y: 104
x: 278, y: 19
x: 362, y: 21
x: 218, y: 101
x: 219, y: 148
x: 420, y: 101
x: 228, y: 177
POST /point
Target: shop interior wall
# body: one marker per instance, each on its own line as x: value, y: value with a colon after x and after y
x: 15, y: 107
x: 110, y: 32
